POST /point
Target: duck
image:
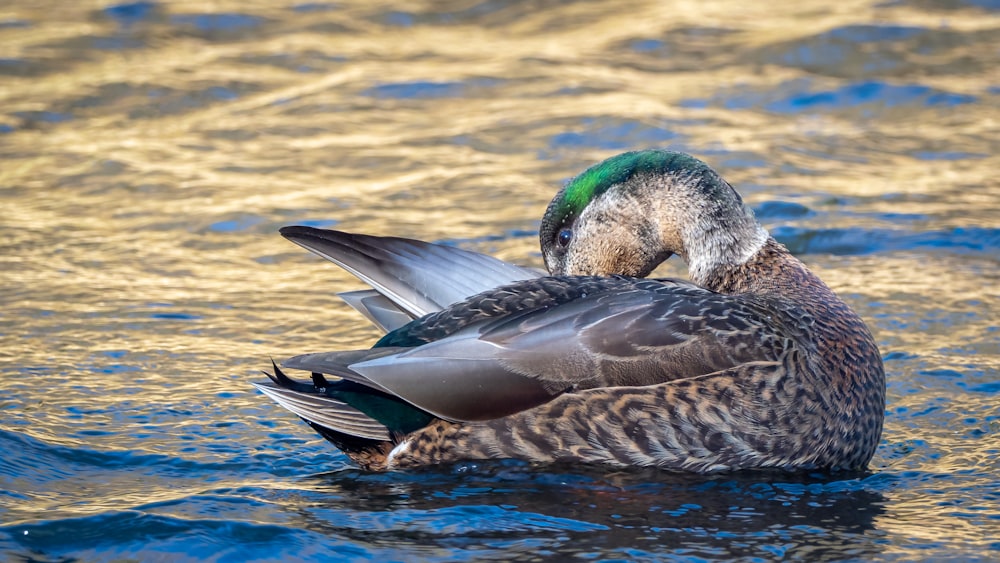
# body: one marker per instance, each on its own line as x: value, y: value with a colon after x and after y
x: 752, y: 363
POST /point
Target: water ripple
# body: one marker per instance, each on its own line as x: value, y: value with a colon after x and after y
x: 856, y: 241
x: 151, y: 149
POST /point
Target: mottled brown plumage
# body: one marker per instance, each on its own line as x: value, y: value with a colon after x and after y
x: 758, y: 365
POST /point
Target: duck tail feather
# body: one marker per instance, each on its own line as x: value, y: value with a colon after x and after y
x: 328, y: 412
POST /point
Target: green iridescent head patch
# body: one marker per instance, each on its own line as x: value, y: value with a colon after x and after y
x: 618, y: 169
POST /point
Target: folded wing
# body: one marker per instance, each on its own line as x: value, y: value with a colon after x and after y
x: 630, y: 333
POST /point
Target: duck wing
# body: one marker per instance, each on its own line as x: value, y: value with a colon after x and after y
x: 409, y: 278
x: 622, y: 332
x: 377, y: 308
x: 462, y: 390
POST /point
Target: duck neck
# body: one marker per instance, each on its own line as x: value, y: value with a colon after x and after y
x: 771, y: 270
x: 714, y: 253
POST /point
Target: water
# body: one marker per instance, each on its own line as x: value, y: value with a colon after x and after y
x: 149, y: 152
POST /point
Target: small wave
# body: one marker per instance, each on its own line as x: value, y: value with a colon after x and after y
x: 859, y: 241
x: 27, y: 455
x: 608, y: 133
x: 133, y: 533
x: 805, y: 96
x: 131, y: 13
x: 430, y: 90
x: 214, y: 23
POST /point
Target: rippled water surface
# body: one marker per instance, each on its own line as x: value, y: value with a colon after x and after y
x: 150, y: 151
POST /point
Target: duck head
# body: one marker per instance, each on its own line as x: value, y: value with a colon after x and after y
x: 631, y: 212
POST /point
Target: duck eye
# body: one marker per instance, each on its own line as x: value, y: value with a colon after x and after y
x: 565, y: 236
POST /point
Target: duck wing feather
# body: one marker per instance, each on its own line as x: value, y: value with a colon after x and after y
x: 622, y: 332
x: 415, y: 277
x: 377, y: 308
x: 326, y: 411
